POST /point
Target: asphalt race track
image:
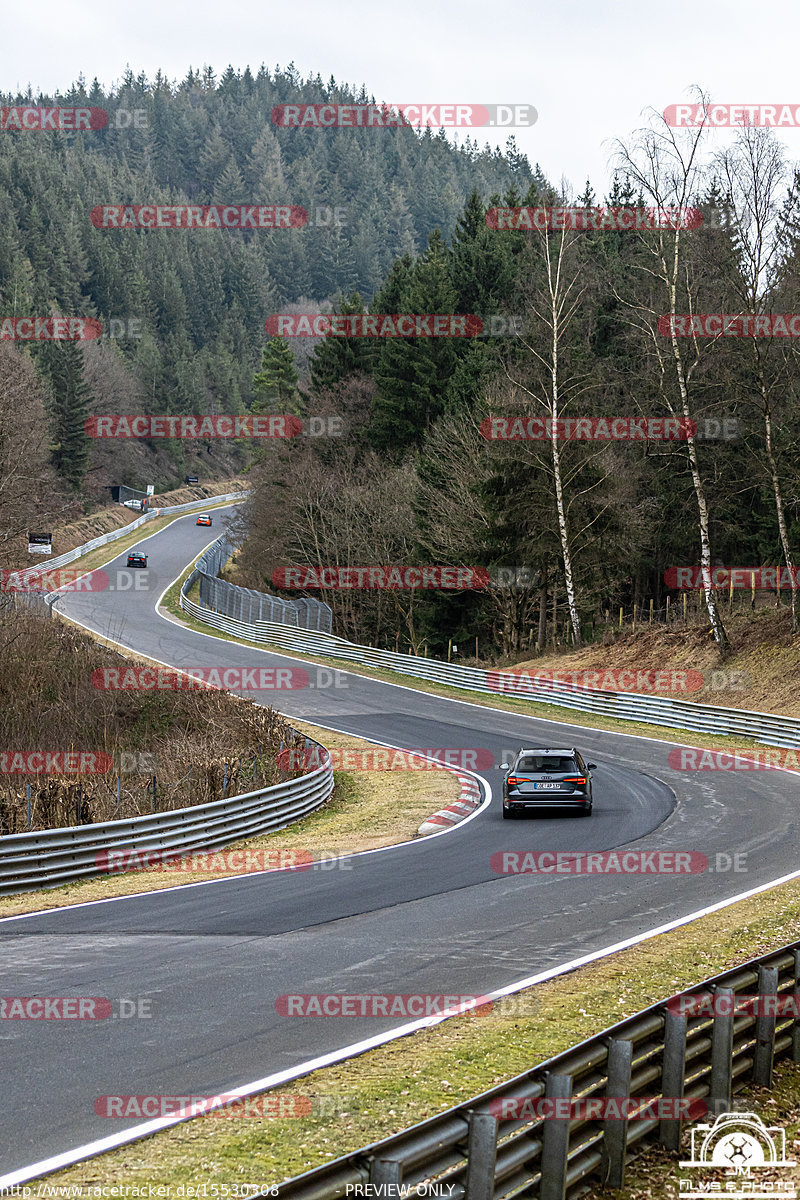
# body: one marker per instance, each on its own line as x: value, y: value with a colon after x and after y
x: 426, y: 917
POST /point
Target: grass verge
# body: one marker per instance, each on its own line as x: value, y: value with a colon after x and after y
x: 394, y: 1086
x: 368, y: 809
x: 546, y: 712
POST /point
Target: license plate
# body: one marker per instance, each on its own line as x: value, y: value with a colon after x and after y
x: 540, y: 787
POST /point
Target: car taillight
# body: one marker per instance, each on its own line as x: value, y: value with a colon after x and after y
x: 574, y: 779
x: 512, y: 779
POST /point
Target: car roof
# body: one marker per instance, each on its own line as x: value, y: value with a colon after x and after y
x: 548, y: 750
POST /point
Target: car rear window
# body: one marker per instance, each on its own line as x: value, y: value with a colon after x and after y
x: 546, y: 763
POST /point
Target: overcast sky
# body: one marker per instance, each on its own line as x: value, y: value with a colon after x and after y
x: 590, y: 69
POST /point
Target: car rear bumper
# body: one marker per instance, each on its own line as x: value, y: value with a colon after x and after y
x: 549, y: 802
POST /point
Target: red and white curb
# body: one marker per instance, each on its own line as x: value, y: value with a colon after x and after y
x: 451, y: 814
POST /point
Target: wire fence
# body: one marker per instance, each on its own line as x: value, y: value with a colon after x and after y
x: 140, y: 782
x: 245, y: 604
x: 48, y: 858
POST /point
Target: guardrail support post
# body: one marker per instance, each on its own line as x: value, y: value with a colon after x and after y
x: 796, y: 1025
x: 481, y: 1156
x: 722, y: 1052
x: 385, y: 1174
x: 673, y: 1075
x: 555, y: 1142
x: 765, y: 1028
x: 615, y: 1131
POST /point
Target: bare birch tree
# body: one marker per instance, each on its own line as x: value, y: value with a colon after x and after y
x: 665, y: 166
x: 756, y: 182
x: 553, y: 296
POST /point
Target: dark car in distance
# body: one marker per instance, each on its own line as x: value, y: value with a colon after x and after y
x: 547, y: 777
x: 136, y: 559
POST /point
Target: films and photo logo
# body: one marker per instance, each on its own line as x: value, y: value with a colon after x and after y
x: 739, y: 1144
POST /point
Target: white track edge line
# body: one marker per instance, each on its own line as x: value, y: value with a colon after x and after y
x: 101, y: 1145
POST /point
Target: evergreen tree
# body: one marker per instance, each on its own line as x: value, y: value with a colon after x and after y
x: 69, y: 409
x: 338, y: 357
x: 275, y: 384
x: 413, y: 373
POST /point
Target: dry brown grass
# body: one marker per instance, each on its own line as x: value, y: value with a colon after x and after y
x: 48, y: 702
x: 368, y: 809
x: 761, y: 673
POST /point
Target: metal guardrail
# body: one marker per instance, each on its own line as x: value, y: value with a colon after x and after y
x: 48, y: 858
x: 105, y: 538
x: 659, y: 1052
x: 768, y: 728
x: 35, y: 601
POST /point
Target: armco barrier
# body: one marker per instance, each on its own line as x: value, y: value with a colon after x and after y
x: 466, y: 1153
x: 51, y: 857
x: 627, y: 706
x: 105, y: 538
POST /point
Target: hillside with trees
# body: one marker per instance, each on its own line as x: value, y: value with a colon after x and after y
x: 596, y: 524
x: 190, y: 306
x: 577, y: 325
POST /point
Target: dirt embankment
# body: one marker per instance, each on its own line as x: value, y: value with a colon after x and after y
x: 762, y: 673
x: 115, y: 516
x: 73, y: 717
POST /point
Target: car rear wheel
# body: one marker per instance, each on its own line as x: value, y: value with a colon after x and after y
x: 586, y: 812
x: 508, y: 814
